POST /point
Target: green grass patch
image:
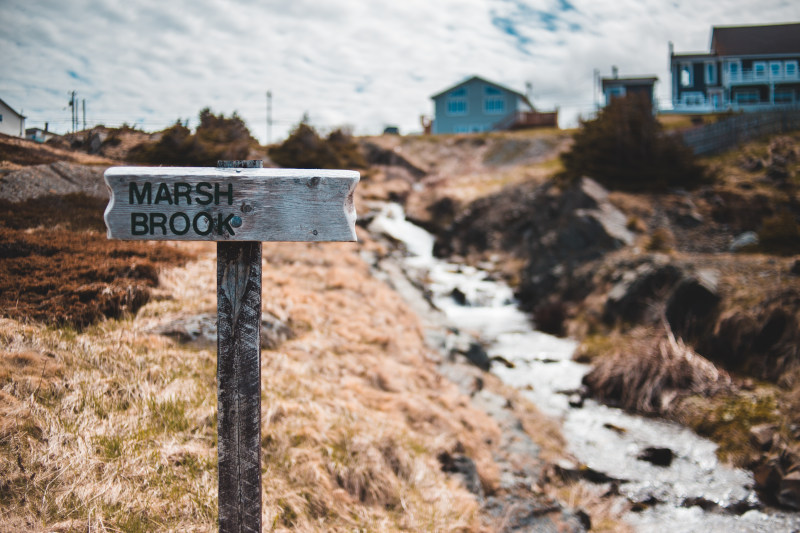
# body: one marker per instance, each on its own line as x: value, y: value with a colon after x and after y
x: 168, y: 416
x: 109, y: 447
x: 727, y: 420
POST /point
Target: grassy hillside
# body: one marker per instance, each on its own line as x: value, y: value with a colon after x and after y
x: 108, y: 414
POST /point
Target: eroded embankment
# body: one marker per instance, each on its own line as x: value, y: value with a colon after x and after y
x: 715, y: 267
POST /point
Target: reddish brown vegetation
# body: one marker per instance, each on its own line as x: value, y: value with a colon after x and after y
x: 57, y: 267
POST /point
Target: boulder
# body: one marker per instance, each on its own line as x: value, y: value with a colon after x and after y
x: 657, y: 455
x: 789, y: 492
x: 692, y: 306
x: 631, y: 296
x: 463, y: 467
x: 748, y: 238
x: 763, y: 435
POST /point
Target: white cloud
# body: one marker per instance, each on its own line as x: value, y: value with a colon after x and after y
x: 366, y: 64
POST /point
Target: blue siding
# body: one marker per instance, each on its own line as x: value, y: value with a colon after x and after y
x: 475, y: 105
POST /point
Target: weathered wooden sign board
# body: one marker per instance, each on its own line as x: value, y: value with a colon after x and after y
x: 239, y: 204
x: 230, y: 204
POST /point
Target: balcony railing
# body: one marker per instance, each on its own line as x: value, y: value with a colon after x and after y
x: 752, y: 76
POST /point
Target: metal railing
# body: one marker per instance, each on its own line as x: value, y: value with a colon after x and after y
x: 732, y: 131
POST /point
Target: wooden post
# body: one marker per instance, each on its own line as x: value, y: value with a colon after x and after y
x: 239, y: 205
x: 239, y: 380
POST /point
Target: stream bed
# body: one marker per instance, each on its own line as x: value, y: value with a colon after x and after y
x: 695, y: 492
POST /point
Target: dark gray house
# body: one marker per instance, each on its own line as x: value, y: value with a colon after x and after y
x: 616, y: 87
x: 747, y: 68
x: 476, y: 105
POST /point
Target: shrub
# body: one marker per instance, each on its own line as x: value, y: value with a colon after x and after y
x: 306, y: 149
x: 216, y: 138
x: 626, y: 148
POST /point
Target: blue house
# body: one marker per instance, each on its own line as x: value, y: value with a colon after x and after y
x: 748, y: 68
x: 476, y: 105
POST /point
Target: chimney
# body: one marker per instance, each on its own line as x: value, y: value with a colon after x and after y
x: 45, y: 126
x: 614, y: 72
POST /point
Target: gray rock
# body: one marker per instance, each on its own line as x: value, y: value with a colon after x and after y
x: 789, y: 493
x: 465, y: 468
x: 692, y: 306
x: 477, y: 355
x: 630, y: 297
x: 748, y: 238
x: 657, y: 455
x: 763, y: 435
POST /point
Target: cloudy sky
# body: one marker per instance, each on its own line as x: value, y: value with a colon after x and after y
x: 360, y: 63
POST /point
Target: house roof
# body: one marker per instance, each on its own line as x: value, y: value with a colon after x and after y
x: 635, y: 80
x: 472, y: 78
x: 754, y: 40
x: 694, y: 55
x: 20, y: 115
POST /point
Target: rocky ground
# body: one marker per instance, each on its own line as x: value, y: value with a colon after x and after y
x: 107, y: 419
x: 717, y: 267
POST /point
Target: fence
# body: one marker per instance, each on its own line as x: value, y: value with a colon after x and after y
x: 735, y: 130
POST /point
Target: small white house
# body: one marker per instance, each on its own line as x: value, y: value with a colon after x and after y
x: 11, y: 122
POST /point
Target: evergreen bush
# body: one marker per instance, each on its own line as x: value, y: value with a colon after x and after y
x: 626, y: 148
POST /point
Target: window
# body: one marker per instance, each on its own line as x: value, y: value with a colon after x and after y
x: 749, y: 96
x: 734, y: 70
x: 711, y: 73
x: 775, y: 69
x: 461, y: 129
x: 686, y: 75
x: 1, y: 117
x: 493, y: 101
x: 784, y: 96
x: 693, y: 98
x: 790, y: 68
x: 760, y: 70
x: 456, y: 103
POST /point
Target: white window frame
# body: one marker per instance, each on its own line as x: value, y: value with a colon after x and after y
x: 741, y: 92
x: 494, y: 102
x: 456, y: 104
x: 719, y: 94
x: 692, y: 98
x: 762, y: 66
x: 790, y: 65
x: 734, y: 63
x: 773, y: 73
x: 790, y: 100
x: 710, y: 71
x: 688, y: 68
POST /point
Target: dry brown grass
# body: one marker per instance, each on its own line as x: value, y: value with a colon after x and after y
x: 648, y: 374
x: 114, y: 428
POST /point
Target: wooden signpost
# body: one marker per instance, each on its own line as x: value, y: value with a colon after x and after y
x: 239, y: 204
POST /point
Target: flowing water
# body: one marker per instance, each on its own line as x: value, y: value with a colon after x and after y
x: 694, y: 493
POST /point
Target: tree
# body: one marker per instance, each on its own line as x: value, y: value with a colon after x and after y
x: 306, y: 149
x: 216, y: 138
x: 625, y: 147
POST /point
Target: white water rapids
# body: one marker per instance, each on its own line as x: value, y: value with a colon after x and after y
x: 603, y: 438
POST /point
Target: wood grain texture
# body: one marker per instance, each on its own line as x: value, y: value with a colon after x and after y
x: 239, y: 383
x: 239, y: 386
x: 271, y: 204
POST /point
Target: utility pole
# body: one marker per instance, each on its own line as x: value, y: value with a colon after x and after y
x: 84, y: 113
x: 73, y: 112
x: 269, y: 117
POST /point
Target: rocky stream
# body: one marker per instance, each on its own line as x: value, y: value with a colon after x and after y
x: 670, y: 476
